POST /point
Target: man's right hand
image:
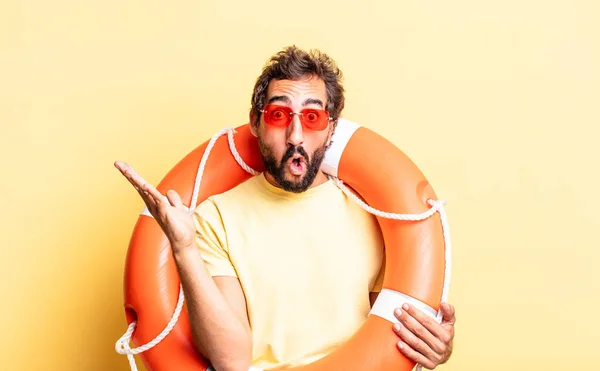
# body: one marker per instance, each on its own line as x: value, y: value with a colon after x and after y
x: 172, y: 216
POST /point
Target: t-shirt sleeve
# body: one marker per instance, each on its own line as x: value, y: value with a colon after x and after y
x: 211, y: 239
x: 378, y: 285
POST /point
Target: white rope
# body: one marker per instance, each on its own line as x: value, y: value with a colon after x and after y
x: 411, y: 217
x: 436, y: 206
x: 122, y: 345
x: 236, y: 155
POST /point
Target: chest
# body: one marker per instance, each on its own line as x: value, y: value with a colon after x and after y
x: 321, y: 252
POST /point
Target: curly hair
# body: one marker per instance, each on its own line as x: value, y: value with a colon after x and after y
x: 293, y: 63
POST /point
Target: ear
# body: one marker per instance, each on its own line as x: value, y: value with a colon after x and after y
x: 253, y: 125
x: 330, y: 134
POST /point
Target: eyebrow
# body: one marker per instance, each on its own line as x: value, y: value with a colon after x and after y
x: 281, y: 98
x: 285, y: 99
x: 313, y: 101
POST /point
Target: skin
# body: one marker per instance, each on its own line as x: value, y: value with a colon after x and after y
x: 421, y: 338
x: 214, y: 301
x: 275, y: 141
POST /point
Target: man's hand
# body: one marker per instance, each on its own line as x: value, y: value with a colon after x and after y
x: 423, y: 340
x: 171, y: 215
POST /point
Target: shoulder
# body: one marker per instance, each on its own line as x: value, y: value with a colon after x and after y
x: 239, y: 195
x: 353, y: 204
x: 214, y: 206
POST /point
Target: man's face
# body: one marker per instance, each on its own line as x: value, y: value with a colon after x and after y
x: 293, y: 154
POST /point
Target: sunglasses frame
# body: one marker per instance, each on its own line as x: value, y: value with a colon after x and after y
x: 290, y: 115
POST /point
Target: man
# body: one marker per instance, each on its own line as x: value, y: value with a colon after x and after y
x: 284, y: 268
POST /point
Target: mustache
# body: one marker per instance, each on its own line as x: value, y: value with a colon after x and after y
x: 292, y: 150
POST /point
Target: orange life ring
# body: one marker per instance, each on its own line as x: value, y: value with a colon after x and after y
x: 416, y: 249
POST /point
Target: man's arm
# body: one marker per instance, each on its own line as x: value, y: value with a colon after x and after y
x: 217, y: 311
x: 217, y: 307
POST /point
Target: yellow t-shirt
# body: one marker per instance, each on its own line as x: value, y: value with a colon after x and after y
x: 306, y: 263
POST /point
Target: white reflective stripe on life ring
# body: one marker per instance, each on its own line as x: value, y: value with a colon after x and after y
x: 388, y: 300
x: 146, y: 212
x: 342, y: 134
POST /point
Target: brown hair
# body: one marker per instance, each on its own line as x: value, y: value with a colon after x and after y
x: 293, y: 63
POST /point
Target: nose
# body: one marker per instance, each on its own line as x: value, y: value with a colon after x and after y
x: 295, y: 136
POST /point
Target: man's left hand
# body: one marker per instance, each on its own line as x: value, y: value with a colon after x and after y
x: 422, y: 339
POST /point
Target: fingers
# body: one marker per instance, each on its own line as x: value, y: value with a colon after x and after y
x: 149, y: 194
x: 416, y: 344
x: 423, y: 340
x: 174, y: 199
x: 415, y: 356
x: 448, y: 320
x: 134, y: 178
x: 420, y: 331
x: 124, y: 169
x: 150, y: 191
x: 448, y: 313
x: 416, y: 320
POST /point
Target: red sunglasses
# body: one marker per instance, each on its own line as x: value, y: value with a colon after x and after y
x: 281, y: 116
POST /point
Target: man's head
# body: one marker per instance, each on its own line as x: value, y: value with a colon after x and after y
x: 295, y: 106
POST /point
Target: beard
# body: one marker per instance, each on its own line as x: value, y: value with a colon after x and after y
x: 278, y: 169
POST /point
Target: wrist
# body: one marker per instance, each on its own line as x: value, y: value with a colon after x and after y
x: 182, y: 249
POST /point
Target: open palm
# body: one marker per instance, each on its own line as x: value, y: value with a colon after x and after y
x: 170, y: 213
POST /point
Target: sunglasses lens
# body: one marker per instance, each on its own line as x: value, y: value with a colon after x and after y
x: 277, y: 115
x: 315, y: 119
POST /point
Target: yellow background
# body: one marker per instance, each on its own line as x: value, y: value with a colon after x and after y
x: 497, y: 102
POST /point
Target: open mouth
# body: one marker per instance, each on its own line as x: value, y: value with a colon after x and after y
x: 297, y: 165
